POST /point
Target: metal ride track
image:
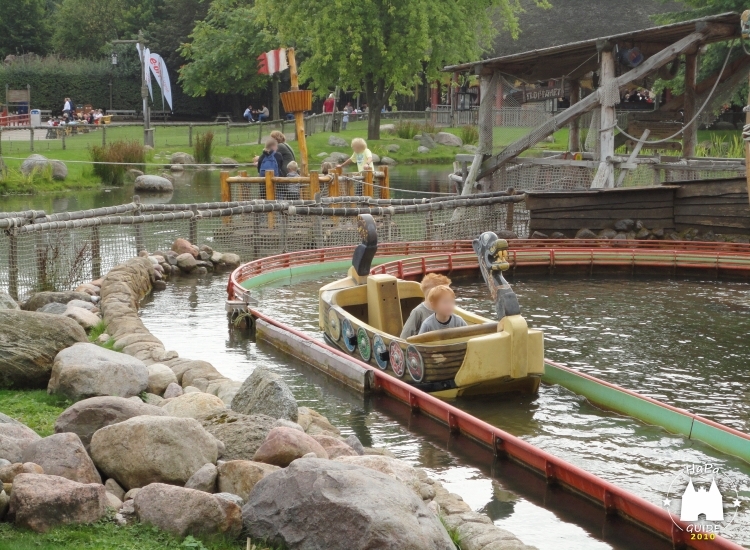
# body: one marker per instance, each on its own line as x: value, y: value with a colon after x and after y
x: 406, y: 260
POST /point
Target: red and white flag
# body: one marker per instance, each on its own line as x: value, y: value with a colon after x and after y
x: 272, y: 62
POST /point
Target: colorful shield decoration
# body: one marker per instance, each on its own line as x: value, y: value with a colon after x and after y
x: 347, y: 332
x: 397, y: 359
x: 414, y: 363
x: 380, y: 351
x: 363, y: 343
x: 334, y: 325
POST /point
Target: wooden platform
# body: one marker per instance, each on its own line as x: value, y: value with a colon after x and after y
x: 720, y: 206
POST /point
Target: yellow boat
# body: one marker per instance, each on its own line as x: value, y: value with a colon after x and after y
x: 363, y: 315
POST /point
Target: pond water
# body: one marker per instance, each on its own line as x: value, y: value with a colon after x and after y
x: 678, y: 341
x: 203, y: 186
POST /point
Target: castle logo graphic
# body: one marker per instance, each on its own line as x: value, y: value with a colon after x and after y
x: 696, y: 502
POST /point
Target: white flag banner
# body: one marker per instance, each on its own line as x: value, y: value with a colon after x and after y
x: 147, y: 73
x: 159, y: 70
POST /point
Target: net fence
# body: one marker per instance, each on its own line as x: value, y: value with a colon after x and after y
x: 61, y: 251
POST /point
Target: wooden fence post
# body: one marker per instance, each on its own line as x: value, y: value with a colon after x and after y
x: 270, y: 195
x: 227, y: 141
x: 104, y: 135
x: 193, y: 230
x: 385, y: 190
x: 31, y: 130
x: 13, y: 263
x: 190, y: 135
x: 63, y: 139
x: 226, y: 190
x: 96, y: 253
x: 367, y: 188
x: 260, y: 132
x: 314, y: 184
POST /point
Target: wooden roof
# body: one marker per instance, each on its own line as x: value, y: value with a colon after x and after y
x: 578, y: 58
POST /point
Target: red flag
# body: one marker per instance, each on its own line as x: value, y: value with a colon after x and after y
x: 262, y: 64
x: 272, y: 62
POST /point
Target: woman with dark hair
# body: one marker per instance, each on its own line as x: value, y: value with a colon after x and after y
x: 287, y: 155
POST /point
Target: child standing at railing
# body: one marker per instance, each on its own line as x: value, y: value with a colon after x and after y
x: 362, y: 156
x: 290, y: 191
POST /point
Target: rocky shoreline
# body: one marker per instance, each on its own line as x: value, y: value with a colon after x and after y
x: 169, y: 441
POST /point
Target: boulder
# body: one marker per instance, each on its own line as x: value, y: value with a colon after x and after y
x: 238, y: 477
x: 388, y: 128
x: 388, y: 161
x: 228, y: 162
x: 393, y: 148
x: 9, y: 472
x: 152, y: 399
x: 287, y: 424
x: 173, y: 390
x: 182, y: 158
x: 4, y: 504
x: 149, y: 449
x: 315, y: 423
x: 446, y: 138
x: 239, y: 501
x: 132, y: 174
x: 149, y: 183
x: 392, y: 467
x: 113, y: 487
x: 194, y: 405
x: 229, y: 259
x: 7, y: 302
x: 85, y: 318
x: 40, y: 502
x: 539, y: 235
x: 14, y: 438
x: 113, y: 502
x: 204, y: 479
x: 264, y: 392
x: 43, y: 298
x: 505, y: 234
x: 555, y: 235
x: 607, y: 234
x: 29, y: 342
x: 160, y: 376
x: 183, y: 512
x: 87, y: 370
x: 63, y: 455
x: 301, y: 507
x: 644, y: 233
x: 334, y: 447
x: 471, y: 149
x: 182, y: 246
x: 283, y: 445
x: 422, y: 149
x: 187, y: 262
x: 624, y: 225
x: 354, y: 442
x: 53, y: 308
x: 335, y: 141
x: 241, y: 434
x: 426, y: 140
x: 39, y: 163
x: 585, y: 234
x: 89, y: 306
x: 89, y: 415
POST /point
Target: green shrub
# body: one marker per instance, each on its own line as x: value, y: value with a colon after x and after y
x: 718, y: 146
x: 407, y: 129
x: 115, y: 159
x: 204, y: 148
x: 13, y: 180
x: 469, y: 135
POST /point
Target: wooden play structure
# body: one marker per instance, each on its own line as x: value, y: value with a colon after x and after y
x: 15, y: 110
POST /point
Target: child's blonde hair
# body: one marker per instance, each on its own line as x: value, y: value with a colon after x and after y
x: 292, y: 166
x: 431, y: 280
x: 359, y: 143
x: 438, y: 292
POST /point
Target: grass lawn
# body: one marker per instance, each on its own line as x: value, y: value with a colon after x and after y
x: 35, y: 408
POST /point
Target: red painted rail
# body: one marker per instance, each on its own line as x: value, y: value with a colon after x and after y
x: 15, y: 120
x: 453, y: 256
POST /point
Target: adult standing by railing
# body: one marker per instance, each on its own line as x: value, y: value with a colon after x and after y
x: 328, y: 106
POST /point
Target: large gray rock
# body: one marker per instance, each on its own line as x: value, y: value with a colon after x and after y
x: 336, y: 157
x: 423, y: 150
x: 83, y: 317
x: 241, y: 434
x: 182, y: 158
x: 153, y: 184
x: 89, y: 415
x: 88, y: 370
x: 160, y: 376
x: 194, y: 405
x: 204, y: 479
x: 335, y: 141
x: 40, y: 502
x: 7, y: 302
x: 63, y: 455
x: 284, y: 445
x: 302, y: 506
x: 53, y: 308
x: 152, y: 449
x: 14, y: 438
x: 264, y: 392
x: 39, y: 163
x: 183, y: 512
x: 388, y: 161
x: 43, y: 298
x: 29, y: 342
x: 446, y: 138
x: 426, y: 140
x: 240, y: 476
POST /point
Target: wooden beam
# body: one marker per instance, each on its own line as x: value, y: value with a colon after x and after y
x: 585, y: 105
x: 707, y: 83
x: 605, y: 174
x: 690, y: 134
x: 574, y: 138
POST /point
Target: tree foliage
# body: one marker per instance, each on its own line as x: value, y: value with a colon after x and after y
x: 223, y: 49
x: 384, y: 47
x: 24, y: 27
x: 171, y: 28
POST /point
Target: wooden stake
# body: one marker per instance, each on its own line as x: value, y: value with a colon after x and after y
x: 385, y: 190
x: 605, y: 175
x: 270, y: 195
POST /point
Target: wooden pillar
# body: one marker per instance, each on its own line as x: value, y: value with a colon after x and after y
x: 367, y: 188
x: 226, y: 190
x: 314, y: 184
x: 487, y: 91
x: 385, y: 190
x: 605, y: 175
x: 190, y: 135
x: 499, y: 100
x: 299, y: 116
x: 574, y: 138
x: 270, y: 195
x: 690, y: 136
x: 333, y: 186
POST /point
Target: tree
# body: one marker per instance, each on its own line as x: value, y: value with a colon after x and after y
x: 223, y: 50
x: 171, y: 28
x: 384, y: 47
x: 24, y: 27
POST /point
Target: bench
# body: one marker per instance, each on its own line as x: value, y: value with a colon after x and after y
x: 121, y: 113
x: 223, y: 117
x: 161, y: 114
x: 46, y: 113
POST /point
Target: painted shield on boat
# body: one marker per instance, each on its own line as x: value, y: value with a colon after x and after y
x: 397, y: 359
x: 414, y: 363
x: 334, y: 325
x: 347, y: 332
x: 380, y: 351
x: 363, y: 343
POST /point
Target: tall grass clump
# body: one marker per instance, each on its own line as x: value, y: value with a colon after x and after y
x: 718, y: 146
x: 406, y: 129
x: 115, y: 159
x: 204, y: 148
x: 12, y: 180
x: 469, y: 135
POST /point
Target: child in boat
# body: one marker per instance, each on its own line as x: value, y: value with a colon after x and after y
x: 423, y: 311
x: 442, y: 300
x: 362, y: 156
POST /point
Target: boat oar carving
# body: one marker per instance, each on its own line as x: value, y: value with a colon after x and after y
x: 365, y: 251
x: 493, y: 260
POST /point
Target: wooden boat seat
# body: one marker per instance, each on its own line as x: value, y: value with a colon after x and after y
x: 384, y: 304
x: 453, y: 333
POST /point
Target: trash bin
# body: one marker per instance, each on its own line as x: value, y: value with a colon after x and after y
x: 36, y: 117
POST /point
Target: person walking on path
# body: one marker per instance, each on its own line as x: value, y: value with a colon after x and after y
x: 67, y: 107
